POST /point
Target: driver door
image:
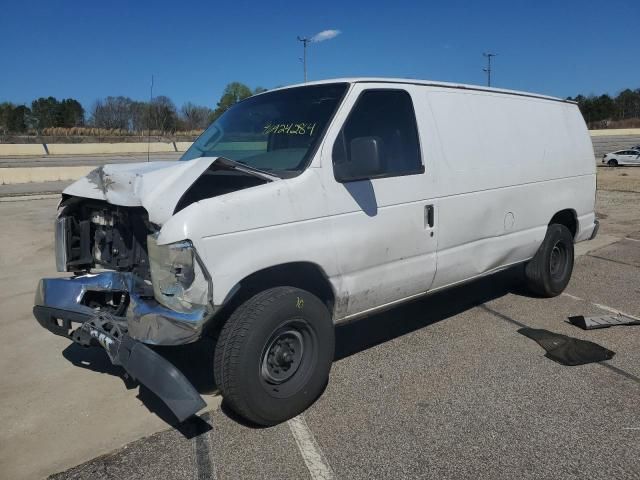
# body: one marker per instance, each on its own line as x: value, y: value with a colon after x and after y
x: 383, y: 222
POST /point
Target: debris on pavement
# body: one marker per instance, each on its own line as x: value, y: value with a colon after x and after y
x: 567, y: 350
x: 602, y: 321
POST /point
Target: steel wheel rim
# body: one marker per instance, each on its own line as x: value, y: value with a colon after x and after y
x: 298, y: 373
x: 558, y: 260
x: 283, y: 356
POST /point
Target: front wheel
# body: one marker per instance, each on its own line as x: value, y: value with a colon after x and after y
x: 612, y: 163
x: 549, y: 271
x: 274, y: 354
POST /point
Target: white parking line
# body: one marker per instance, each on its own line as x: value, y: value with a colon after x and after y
x: 613, y: 310
x: 310, y: 450
x: 572, y: 296
x: 600, y: 306
x: 632, y: 239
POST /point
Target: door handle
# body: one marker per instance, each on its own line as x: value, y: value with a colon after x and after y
x: 428, y: 216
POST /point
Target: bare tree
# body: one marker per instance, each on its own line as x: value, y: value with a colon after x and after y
x: 194, y: 117
x: 163, y: 114
x: 112, y: 112
x: 139, y: 116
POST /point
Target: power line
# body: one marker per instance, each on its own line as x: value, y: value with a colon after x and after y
x: 488, y: 69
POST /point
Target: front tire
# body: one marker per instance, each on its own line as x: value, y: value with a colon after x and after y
x: 549, y: 271
x: 612, y: 163
x: 274, y: 354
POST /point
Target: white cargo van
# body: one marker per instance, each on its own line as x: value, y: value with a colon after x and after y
x: 310, y: 205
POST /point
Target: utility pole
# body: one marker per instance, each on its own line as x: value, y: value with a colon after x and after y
x: 305, y: 41
x: 488, y: 69
x: 149, y: 120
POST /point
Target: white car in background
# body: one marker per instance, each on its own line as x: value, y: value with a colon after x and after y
x: 622, y: 157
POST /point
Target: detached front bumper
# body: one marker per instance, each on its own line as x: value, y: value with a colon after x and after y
x: 59, y: 302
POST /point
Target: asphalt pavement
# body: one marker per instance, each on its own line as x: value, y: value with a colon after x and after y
x: 444, y: 387
x: 33, y: 188
x: 611, y: 143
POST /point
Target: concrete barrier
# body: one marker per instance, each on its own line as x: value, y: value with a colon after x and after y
x: 614, y: 132
x: 603, y: 141
x: 39, y: 149
x: 12, y: 176
x: 183, y: 146
x: 19, y: 149
x: 108, y: 148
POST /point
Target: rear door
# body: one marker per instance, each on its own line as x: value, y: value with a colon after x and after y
x: 383, y: 224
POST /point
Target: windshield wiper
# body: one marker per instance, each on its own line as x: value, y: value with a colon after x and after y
x: 243, y: 166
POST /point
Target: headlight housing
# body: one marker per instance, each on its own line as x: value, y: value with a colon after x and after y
x: 179, y: 280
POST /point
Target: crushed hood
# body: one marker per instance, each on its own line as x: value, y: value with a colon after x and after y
x: 156, y: 186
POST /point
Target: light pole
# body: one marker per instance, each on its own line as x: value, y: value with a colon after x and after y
x: 149, y: 120
x: 488, y: 69
x: 305, y: 41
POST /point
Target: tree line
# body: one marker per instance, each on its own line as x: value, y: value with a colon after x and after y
x: 119, y: 113
x: 161, y: 114
x: 603, y: 108
x: 44, y: 113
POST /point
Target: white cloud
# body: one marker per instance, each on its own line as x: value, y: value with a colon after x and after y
x: 325, y: 35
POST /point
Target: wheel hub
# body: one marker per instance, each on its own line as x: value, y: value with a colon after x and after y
x: 282, y: 356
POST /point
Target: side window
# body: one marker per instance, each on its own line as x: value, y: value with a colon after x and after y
x: 379, y: 138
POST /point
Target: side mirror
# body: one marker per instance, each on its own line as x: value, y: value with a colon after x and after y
x: 365, y: 160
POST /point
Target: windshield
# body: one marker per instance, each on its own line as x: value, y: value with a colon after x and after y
x: 274, y: 132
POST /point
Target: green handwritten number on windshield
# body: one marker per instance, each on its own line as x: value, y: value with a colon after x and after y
x: 289, y: 129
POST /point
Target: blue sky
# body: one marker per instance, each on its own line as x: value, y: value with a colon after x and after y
x: 88, y: 50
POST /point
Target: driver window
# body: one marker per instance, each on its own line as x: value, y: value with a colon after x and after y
x: 385, y: 120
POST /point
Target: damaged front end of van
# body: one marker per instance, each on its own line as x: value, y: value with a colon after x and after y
x: 128, y: 290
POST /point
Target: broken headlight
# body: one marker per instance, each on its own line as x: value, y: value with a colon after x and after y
x: 179, y: 280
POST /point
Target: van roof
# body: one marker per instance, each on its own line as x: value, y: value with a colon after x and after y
x: 412, y: 81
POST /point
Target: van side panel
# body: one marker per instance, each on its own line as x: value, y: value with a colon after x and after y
x: 508, y: 164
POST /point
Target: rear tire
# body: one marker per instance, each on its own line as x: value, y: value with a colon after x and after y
x: 549, y: 271
x: 274, y: 354
x: 612, y: 163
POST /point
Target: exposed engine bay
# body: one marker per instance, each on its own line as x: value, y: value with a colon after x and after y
x: 217, y: 180
x: 95, y: 234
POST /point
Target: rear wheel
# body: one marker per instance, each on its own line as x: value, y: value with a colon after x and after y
x: 612, y: 163
x: 549, y: 271
x: 274, y: 354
